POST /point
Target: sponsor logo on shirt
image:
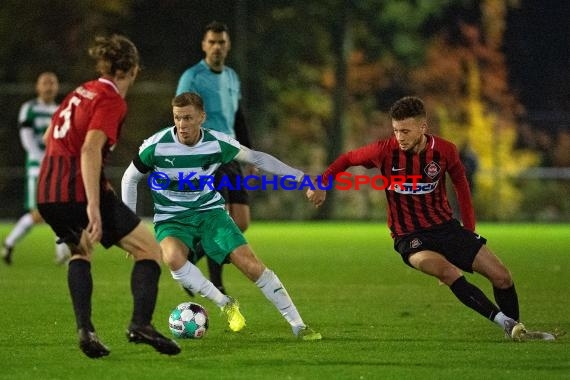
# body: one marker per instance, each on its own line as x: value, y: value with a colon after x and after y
x: 418, y: 188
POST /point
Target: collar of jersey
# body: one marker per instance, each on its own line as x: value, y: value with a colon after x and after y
x: 110, y: 83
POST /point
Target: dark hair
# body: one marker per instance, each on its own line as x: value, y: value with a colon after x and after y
x: 406, y: 107
x: 216, y: 27
x: 113, y: 54
x: 188, y: 99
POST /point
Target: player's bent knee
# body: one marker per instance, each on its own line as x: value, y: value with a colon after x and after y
x: 242, y: 225
x: 79, y: 253
x: 241, y: 215
x: 449, y: 274
x: 241, y: 222
x: 503, y: 280
x: 246, y: 261
x: 36, y: 217
x: 141, y: 244
x: 174, y: 260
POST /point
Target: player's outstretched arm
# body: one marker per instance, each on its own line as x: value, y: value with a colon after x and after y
x: 268, y: 163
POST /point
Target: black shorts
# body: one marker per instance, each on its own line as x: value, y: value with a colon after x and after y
x: 458, y: 245
x: 68, y: 220
x: 231, y: 170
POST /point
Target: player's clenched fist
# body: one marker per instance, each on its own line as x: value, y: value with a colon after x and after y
x: 316, y: 196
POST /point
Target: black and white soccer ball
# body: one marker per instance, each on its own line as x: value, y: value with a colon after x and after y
x: 188, y: 320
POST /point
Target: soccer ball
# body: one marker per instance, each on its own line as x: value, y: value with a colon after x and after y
x: 188, y: 320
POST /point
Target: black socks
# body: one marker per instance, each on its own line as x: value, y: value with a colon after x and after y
x: 144, y: 288
x: 508, y: 301
x: 474, y: 298
x: 80, y: 285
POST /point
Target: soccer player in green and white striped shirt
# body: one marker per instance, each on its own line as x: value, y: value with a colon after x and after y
x: 187, y: 212
x: 33, y: 120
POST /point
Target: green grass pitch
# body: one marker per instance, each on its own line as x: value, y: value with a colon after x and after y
x: 379, y: 318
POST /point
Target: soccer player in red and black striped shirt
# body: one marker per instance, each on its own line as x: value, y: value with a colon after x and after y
x: 425, y: 232
x: 78, y: 203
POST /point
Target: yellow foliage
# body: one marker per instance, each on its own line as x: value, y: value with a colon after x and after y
x: 493, y: 139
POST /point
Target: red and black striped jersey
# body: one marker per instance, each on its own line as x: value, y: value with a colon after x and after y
x: 93, y: 105
x: 413, y: 207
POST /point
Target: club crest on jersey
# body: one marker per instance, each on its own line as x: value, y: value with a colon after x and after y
x: 415, y: 243
x: 432, y: 169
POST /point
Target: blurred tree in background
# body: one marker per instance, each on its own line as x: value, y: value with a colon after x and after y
x: 318, y: 78
x: 466, y: 78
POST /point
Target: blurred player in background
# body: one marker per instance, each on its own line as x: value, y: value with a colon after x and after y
x: 33, y: 120
x: 219, y: 86
x: 78, y: 202
x: 187, y: 215
x: 425, y: 233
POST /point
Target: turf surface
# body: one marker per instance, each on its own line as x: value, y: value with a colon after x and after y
x: 379, y: 318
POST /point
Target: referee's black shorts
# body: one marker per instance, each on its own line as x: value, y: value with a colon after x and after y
x: 231, y: 170
x: 68, y: 220
x: 457, y: 244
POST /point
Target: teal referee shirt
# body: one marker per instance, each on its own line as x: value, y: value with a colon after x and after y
x: 220, y: 91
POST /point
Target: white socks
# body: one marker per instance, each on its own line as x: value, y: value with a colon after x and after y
x: 501, y: 318
x: 190, y: 277
x: 62, y: 252
x: 20, y: 229
x: 275, y: 292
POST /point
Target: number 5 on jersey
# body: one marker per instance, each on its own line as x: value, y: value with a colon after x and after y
x: 59, y: 131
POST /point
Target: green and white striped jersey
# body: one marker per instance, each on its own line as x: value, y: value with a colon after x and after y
x: 178, y: 191
x: 37, y: 115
